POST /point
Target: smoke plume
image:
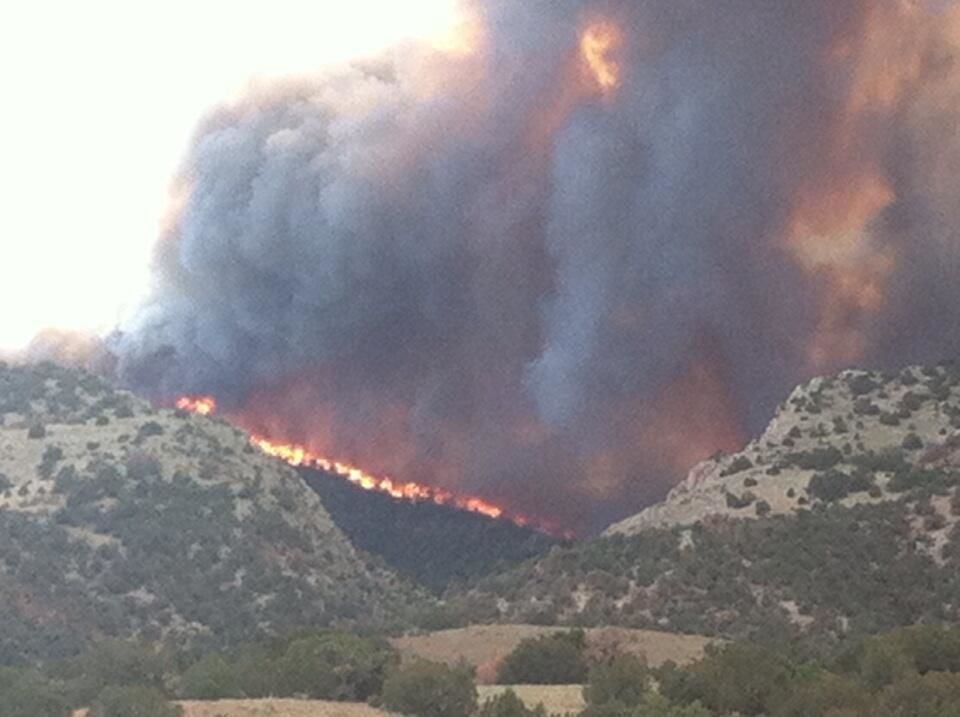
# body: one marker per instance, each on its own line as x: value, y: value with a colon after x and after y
x: 556, y: 265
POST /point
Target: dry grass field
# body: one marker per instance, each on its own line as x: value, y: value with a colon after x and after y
x: 558, y: 699
x: 273, y: 708
x: 484, y: 645
x: 278, y: 708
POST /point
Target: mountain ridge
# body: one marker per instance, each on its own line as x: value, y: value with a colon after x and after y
x: 118, y: 519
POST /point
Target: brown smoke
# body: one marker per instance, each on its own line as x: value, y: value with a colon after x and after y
x: 593, y: 243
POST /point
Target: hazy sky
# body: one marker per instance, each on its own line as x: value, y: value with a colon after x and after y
x: 100, y: 99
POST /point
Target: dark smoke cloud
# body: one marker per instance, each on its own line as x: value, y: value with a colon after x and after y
x: 478, y: 271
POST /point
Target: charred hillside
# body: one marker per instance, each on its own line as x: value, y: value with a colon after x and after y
x: 117, y: 519
x: 430, y: 543
x: 842, y: 518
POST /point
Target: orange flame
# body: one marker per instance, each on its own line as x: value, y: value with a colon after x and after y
x: 297, y: 455
x: 202, y: 405
x: 597, y: 45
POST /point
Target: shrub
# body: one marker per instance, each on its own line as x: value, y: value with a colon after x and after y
x: 865, y: 407
x: 738, y: 502
x: 556, y: 659
x: 816, y: 459
x: 740, y: 678
x: 124, y: 410
x: 148, y: 429
x: 25, y: 693
x: 763, y: 508
x: 861, y: 384
x: 335, y: 666
x: 622, y: 680
x: 738, y: 465
x: 887, y: 461
x: 117, y: 662
x: 507, y: 704
x: 37, y: 430
x: 430, y: 689
x: 912, y: 442
x: 212, y: 678
x: 749, y: 482
x: 889, y: 419
x: 133, y: 702
x: 830, y: 486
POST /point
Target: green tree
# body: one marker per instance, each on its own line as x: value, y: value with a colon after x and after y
x: 624, y: 680
x: 936, y: 694
x: 556, y: 659
x: 26, y: 693
x: 742, y: 678
x: 119, y: 663
x: 211, y: 678
x: 430, y: 689
x: 655, y: 705
x: 507, y: 704
x: 133, y: 701
x: 335, y: 666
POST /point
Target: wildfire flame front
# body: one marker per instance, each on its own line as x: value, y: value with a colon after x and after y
x: 297, y: 455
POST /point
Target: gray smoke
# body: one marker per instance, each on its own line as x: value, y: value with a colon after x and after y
x: 479, y: 271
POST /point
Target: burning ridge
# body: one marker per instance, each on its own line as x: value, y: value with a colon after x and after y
x: 298, y: 455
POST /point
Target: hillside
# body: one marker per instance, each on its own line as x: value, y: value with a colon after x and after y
x: 117, y: 520
x: 880, y: 430
x: 432, y: 544
x: 842, y: 518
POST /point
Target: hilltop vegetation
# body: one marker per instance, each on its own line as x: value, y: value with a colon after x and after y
x: 120, y: 520
x: 432, y: 544
x: 838, y: 522
x: 912, y: 671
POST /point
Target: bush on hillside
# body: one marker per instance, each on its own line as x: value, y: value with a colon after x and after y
x: 830, y: 486
x: 335, y: 666
x: 116, y: 663
x: 623, y: 680
x: 212, y: 678
x: 26, y: 693
x: 862, y: 384
x: 734, y: 678
x: 556, y: 659
x: 37, y: 430
x: 430, y: 689
x: 133, y: 702
x: 738, y: 465
x: 508, y: 704
x: 912, y: 442
x: 816, y: 459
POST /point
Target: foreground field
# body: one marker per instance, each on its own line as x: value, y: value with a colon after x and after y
x: 278, y: 708
x: 483, y: 646
x: 273, y: 708
x: 558, y: 699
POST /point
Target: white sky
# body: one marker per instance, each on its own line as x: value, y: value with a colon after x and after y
x: 99, y: 98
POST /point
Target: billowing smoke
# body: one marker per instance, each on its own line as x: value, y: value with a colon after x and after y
x: 560, y: 263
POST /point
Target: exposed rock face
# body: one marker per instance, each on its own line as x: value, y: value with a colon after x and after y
x: 117, y: 519
x: 831, y: 423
